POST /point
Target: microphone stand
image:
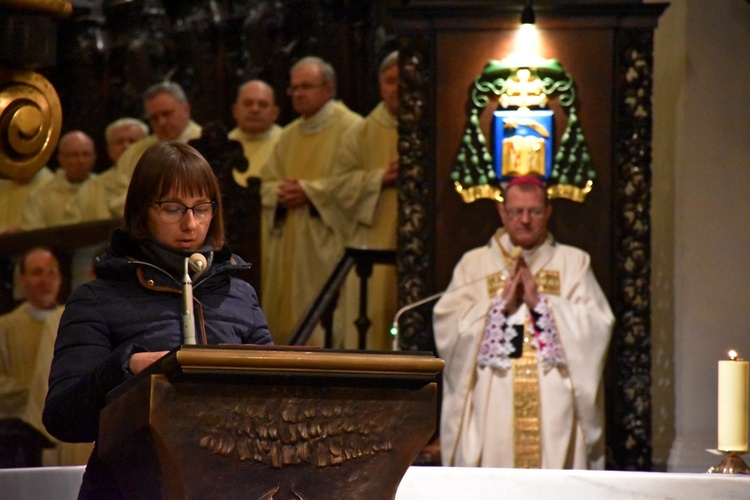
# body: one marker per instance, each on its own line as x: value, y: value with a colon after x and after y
x: 408, y: 307
x: 188, y: 321
x: 513, y: 258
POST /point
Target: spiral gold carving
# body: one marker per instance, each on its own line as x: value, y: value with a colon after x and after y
x: 30, y: 121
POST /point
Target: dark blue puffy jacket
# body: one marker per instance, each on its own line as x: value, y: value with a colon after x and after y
x: 132, y: 307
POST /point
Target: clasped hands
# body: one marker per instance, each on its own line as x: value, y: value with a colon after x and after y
x: 390, y: 174
x: 521, y: 288
x: 291, y: 194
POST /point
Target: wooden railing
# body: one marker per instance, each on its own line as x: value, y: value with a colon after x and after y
x: 321, y: 310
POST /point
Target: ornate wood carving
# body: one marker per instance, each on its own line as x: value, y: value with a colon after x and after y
x: 630, y: 353
x: 241, y: 205
x: 112, y: 50
x: 416, y: 178
x: 288, y: 427
x: 243, y: 422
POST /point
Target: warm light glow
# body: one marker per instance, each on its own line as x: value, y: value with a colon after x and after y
x: 527, y: 38
x: 526, y: 53
x: 732, y: 355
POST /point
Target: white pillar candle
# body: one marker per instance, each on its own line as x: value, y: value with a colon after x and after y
x: 733, y: 399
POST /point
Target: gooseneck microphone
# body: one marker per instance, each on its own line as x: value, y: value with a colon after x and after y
x: 514, y: 255
x: 197, y: 262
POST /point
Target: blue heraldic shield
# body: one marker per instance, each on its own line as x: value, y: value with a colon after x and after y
x: 523, y: 143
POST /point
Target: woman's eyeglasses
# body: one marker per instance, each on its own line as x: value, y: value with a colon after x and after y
x: 173, y: 211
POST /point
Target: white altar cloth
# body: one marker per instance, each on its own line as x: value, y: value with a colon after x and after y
x: 41, y: 483
x: 459, y: 483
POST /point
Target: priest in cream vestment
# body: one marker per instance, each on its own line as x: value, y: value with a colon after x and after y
x: 21, y: 340
x: 255, y: 112
x: 13, y: 197
x: 365, y: 187
x: 49, y: 205
x: 524, y: 338
x: 92, y: 201
x: 304, y: 242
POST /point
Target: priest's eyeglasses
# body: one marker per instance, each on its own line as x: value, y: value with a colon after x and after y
x: 173, y: 211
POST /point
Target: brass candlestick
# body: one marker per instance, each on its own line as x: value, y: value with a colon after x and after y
x: 731, y: 464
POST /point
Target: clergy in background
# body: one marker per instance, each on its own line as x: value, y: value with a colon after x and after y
x: 13, y: 196
x: 524, y: 329
x: 92, y: 200
x: 168, y: 112
x: 49, y: 205
x: 303, y: 241
x: 255, y: 113
x: 365, y: 188
x: 21, y: 427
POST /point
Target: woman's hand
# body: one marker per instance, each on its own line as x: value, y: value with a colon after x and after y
x: 140, y: 360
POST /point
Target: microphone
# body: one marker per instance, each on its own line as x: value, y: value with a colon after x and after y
x: 197, y: 262
x: 514, y: 255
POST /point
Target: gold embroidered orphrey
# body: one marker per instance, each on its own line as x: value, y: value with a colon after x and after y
x: 527, y: 436
x: 527, y: 439
x: 548, y: 281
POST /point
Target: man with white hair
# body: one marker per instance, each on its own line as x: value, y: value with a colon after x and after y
x: 121, y: 133
x: 303, y: 242
x: 93, y: 201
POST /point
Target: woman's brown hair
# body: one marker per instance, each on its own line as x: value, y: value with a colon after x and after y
x: 163, y: 167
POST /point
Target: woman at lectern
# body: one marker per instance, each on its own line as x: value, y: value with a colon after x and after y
x: 132, y: 313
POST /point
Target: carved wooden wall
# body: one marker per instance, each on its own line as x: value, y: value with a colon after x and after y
x: 110, y: 51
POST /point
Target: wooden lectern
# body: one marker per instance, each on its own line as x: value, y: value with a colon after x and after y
x: 273, y: 423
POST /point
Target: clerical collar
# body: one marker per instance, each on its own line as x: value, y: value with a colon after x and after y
x: 385, y: 117
x: 256, y: 137
x: 40, y: 314
x: 320, y: 120
x: 190, y: 132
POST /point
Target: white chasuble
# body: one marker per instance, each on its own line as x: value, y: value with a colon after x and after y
x: 478, y: 421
